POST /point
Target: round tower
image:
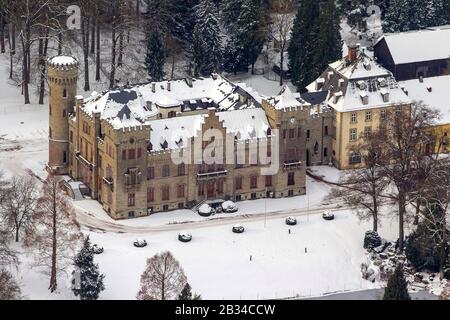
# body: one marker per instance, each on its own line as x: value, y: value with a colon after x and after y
x: 62, y: 80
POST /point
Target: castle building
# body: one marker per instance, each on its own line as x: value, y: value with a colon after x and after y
x: 361, y: 94
x: 141, y: 149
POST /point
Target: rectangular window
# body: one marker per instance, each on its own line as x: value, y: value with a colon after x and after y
x: 383, y: 115
x: 150, y: 195
x: 131, y: 199
x: 165, y: 191
x: 353, y: 135
x: 220, y: 187
x: 131, y: 154
x: 150, y: 173
x: 166, y: 170
x: 238, y: 183
x: 355, y: 158
x: 367, y: 131
x: 325, y: 130
x: 291, y: 178
x: 253, y: 182
x: 181, y: 170
x: 268, y: 181
x: 354, y: 117
x: 284, y: 134
x: 308, y: 134
x: 201, y: 190
x: 291, y: 133
x: 299, y: 132
x: 180, y: 191
x: 368, y: 115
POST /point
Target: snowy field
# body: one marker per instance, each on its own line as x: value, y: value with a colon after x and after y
x: 217, y: 262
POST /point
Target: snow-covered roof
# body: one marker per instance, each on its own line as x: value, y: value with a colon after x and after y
x: 245, y: 124
x: 287, y: 100
x: 364, y: 68
x: 168, y: 94
x: 361, y: 84
x: 62, y: 61
x: 172, y: 133
x: 122, y: 108
x: 434, y: 92
x: 423, y: 45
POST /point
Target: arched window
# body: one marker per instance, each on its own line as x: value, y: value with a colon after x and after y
x: 65, y: 93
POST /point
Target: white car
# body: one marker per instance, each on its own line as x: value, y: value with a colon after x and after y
x: 185, y: 237
x: 205, y: 210
x: 229, y: 207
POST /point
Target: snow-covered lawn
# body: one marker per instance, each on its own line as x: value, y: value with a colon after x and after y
x: 217, y: 261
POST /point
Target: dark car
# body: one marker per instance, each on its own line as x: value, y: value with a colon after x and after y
x: 291, y: 221
x: 238, y: 229
x: 184, y: 237
x: 140, y: 243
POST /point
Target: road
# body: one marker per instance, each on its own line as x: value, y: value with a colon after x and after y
x: 95, y: 223
x: 373, y: 294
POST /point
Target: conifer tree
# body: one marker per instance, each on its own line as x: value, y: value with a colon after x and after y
x: 206, y: 42
x: 91, y: 281
x: 155, y: 57
x: 328, y: 47
x: 304, y: 31
x: 397, y: 288
x: 186, y: 294
x: 248, y: 33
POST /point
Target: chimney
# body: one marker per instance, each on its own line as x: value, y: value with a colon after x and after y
x: 421, y: 79
x: 169, y: 86
x: 430, y: 88
x: 352, y: 53
x: 153, y: 87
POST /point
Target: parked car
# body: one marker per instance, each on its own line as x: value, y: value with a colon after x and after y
x: 328, y: 215
x: 96, y: 249
x: 291, y: 221
x: 140, y: 243
x: 238, y: 229
x: 205, y: 210
x: 229, y: 207
x: 185, y: 237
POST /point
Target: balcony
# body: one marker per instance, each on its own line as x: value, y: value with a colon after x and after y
x: 109, y: 182
x: 212, y: 175
x: 292, y: 165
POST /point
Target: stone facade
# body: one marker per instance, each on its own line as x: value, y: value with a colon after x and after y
x: 133, y: 174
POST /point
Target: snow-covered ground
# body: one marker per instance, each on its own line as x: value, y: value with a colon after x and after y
x: 217, y: 261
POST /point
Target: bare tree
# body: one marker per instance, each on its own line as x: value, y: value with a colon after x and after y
x: 7, y: 255
x: 56, y: 234
x: 362, y: 188
x: 9, y: 289
x: 280, y: 30
x: 18, y: 204
x: 405, y: 146
x: 163, y: 278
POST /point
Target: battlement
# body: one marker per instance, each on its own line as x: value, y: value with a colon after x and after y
x: 63, y: 63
